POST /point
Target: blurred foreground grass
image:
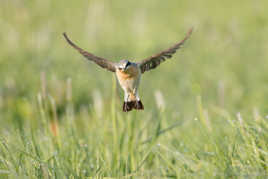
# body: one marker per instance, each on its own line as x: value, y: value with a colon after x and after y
x: 205, y: 110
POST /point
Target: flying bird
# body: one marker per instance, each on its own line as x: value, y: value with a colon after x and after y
x: 129, y: 73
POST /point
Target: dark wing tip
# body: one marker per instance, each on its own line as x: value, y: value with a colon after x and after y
x: 190, y: 31
x: 69, y: 41
x: 64, y: 34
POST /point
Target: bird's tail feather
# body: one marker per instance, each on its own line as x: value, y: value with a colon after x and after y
x: 129, y: 105
x: 138, y: 105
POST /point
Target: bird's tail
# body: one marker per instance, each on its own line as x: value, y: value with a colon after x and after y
x: 138, y: 105
x: 129, y: 105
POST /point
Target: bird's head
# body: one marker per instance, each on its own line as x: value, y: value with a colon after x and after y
x: 123, y: 65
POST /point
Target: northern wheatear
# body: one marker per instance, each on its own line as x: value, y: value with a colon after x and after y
x: 129, y: 73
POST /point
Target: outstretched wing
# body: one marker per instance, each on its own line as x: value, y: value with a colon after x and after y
x: 155, y: 60
x: 98, y: 60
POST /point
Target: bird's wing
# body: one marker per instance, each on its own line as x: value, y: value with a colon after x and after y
x: 155, y: 60
x: 98, y: 60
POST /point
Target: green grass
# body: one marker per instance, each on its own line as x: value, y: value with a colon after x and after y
x: 206, y: 109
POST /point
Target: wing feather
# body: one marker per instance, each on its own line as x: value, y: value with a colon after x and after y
x: 155, y: 60
x: 98, y: 60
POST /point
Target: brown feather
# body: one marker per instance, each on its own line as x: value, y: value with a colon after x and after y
x: 155, y: 60
x: 98, y: 60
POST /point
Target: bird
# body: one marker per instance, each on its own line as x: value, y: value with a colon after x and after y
x: 129, y: 73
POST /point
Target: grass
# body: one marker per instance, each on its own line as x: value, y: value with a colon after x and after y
x: 205, y: 110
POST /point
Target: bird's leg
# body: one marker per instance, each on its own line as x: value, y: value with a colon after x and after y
x: 126, y: 96
x: 138, y: 104
x: 136, y: 94
x: 128, y: 105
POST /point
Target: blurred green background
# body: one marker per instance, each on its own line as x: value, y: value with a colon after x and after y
x: 222, y: 67
x: 227, y: 52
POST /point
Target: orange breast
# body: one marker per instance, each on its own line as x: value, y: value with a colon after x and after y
x: 124, y: 75
x: 130, y: 73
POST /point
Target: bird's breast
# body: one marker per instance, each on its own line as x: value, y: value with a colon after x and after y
x: 129, y: 80
x: 122, y: 75
x: 132, y: 72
